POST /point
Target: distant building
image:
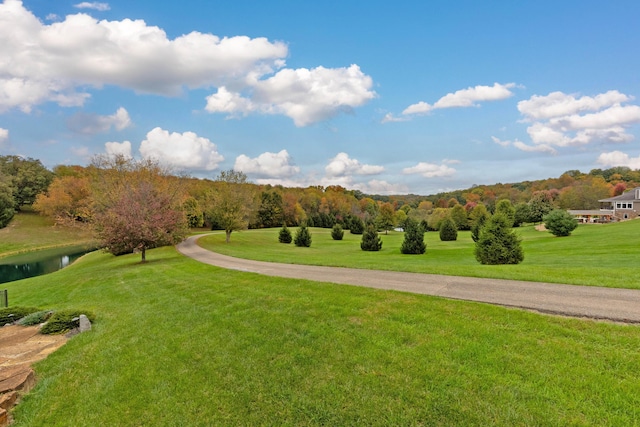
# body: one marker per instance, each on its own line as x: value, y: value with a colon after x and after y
x: 592, y: 216
x: 624, y: 206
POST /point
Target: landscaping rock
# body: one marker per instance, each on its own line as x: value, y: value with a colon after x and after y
x: 85, y: 324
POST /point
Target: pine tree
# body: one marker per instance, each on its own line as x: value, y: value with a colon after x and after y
x: 370, y: 239
x: 285, y: 235
x: 413, y: 238
x: 336, y: 232
x: 560, y: 223
x: 303, y: 237
x: 448, y: 230
x: 356, y: 225
x: 498, y: 243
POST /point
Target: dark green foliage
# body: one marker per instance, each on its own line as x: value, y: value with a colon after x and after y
x: 285, y: 235
x: 270, y: 212
x: 505, y: 208
x: 63, y: 321
x: 539, y: 206
x: 370, y: 239
x: 35, y: 318
x: 498, y: 243
x: 560, y: 223
x: 337, y: 233
x: 413, y: 242
x: 356, y: 225
x: 7, y: 202
x: 448, y: 230
x: 522, y: 214
x: 11, y: 314
x: 480, y: 221
x: 28, y: 178
x: 303, y: 237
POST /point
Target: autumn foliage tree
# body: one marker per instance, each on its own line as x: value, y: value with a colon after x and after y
x: 231, y: 202
x: 67, y: 201
x: 137, y: 206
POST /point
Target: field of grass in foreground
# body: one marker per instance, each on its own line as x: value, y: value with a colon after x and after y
x: 177, y: 342
x: 29, y: 231
x: 596, y: 255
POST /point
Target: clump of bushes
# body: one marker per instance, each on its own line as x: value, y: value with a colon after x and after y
x: 337, y: 233
x: 65, y: 320
x: 12, y: 314
x: 35, y: 318
x: 285, y: 235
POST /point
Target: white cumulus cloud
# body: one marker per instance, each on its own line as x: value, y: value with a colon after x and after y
x: 92, y: 123
x: 114, y: 149
x: 564, y: 120
x: 469, y: 97
x: 342, y: 165
x: 102, y: 7
x: 56, y: 62
x: 430, y: 170
x: 305, y: 95
x: 181, y: 150
x: 267, y: 165
x: 618, y: 158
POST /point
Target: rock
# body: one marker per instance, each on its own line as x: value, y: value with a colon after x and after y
x: 4, y: 418
x: 85, y: 324
x: 8, y: 400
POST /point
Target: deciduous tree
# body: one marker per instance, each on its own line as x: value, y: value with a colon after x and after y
x: 231, y: 202
x: 560, y: 222
x: 28, y: 178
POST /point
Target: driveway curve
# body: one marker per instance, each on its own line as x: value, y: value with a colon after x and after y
x: 618, y: 305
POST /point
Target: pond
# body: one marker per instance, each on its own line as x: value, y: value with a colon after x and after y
x: 33, y: 264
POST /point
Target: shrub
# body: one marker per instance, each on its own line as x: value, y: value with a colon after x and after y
x: 356, y: 225
x: 285, y: 235
x: 35, y: 318
x: 63, y: 321
x: 448, y: 230
x: 560, y: 223
x: 370, y: 239
x: 303, y: 237
x: 12, y: 314
x: 477, y: 227
x: 498, y: 243
x: 337, y: 233
x: 413, y: 242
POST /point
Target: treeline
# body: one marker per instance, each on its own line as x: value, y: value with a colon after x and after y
x: 69, y: 193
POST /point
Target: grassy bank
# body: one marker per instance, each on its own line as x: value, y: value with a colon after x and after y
x: 29, y: 231
x: 597, y: 255
x: 182, y: 343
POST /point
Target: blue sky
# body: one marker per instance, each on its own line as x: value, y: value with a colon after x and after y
x: 388, y: 98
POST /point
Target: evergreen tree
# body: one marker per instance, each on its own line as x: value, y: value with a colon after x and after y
x: 448, y: 231
x: 303, y: 237
x: 356, y: 225
x: 560, y: 223
x: 336, y: 232
x: 285, y: 235
x: 498, y: 243
x: 413, y: 242
x: 505, y: 208
x: 370, y: 239
x: 479, y: 216
x: 522, y: 214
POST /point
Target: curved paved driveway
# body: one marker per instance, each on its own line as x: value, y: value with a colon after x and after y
x: 620, y: 305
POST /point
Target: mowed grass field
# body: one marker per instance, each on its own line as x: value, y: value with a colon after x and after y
x: 180, y: 343
x: 595, y: 255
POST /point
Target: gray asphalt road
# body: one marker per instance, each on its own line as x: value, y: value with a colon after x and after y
x: 620, y: 305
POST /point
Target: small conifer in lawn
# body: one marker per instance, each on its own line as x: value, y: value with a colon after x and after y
x: 498, y: 243
x: 370, y: 239
x: 285, y: 235
x: 560, y: 222
x: 337, y: 233
x: 303, y: 237
x: 448, y: 230
x: 413, y: 238
x: 356, y: 226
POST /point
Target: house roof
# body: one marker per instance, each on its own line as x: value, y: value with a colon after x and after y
x: 629, y: 195
x: 601, y: 212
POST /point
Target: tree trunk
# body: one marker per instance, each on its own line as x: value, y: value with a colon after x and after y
x: 144, y: 254
x: 228, y: 232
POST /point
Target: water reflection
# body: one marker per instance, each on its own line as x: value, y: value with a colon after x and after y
x: 38, y: 263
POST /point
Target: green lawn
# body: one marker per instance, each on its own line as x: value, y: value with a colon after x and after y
x: 597, y: 255
x: 180, y: 343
